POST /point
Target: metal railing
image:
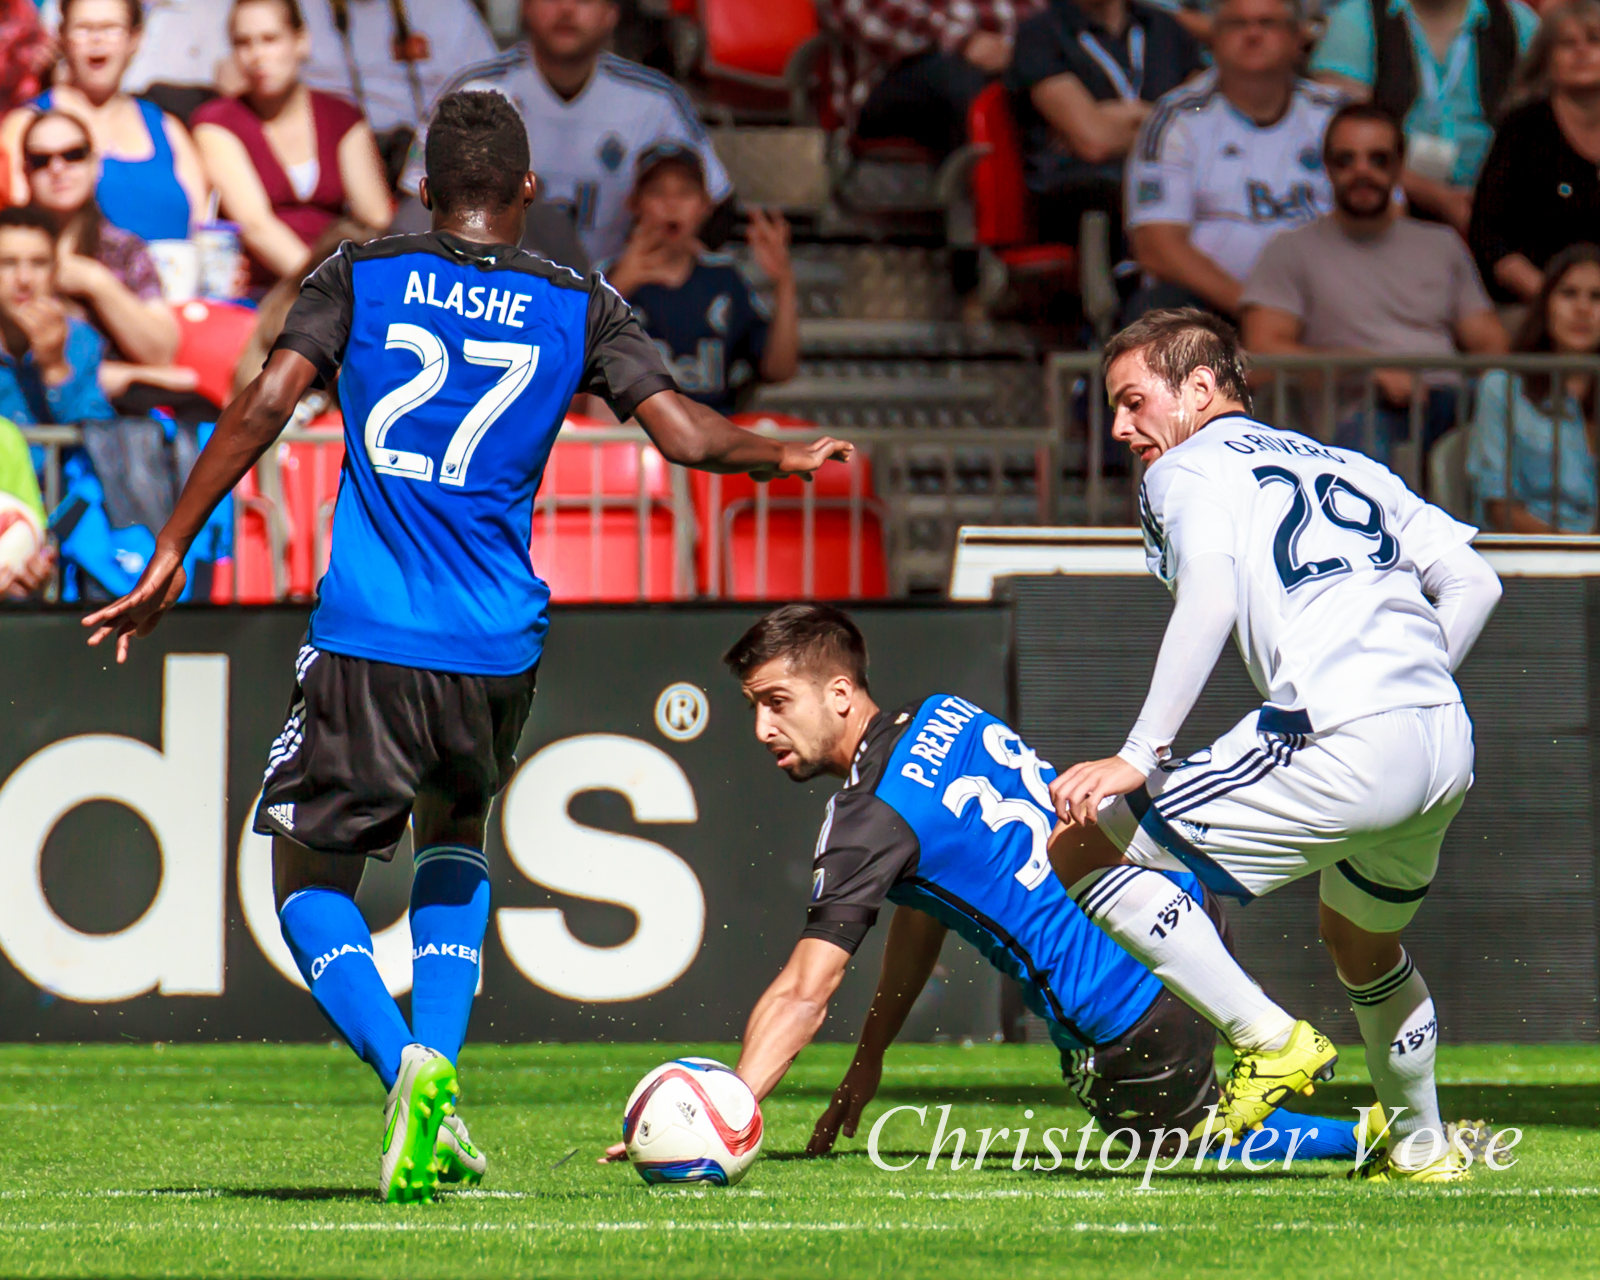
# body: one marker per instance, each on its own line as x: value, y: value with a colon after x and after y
x: 913, y: 479
x: 1333, y: 397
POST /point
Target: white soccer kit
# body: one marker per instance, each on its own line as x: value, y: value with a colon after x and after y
x: 1198, y: 161
x: 584, y: 150
x: 1363, y: 752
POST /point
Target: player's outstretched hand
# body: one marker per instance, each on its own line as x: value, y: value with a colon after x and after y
x: 617, y: 1151
x: 858, y: 1088
x: 805, y: 459
x: 137, y: 613
x: 1079, y: 791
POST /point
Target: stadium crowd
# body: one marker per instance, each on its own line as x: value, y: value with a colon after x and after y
x: 1395, y: 177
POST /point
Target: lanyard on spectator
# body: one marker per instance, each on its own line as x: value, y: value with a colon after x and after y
x: 1126, y: 88
x: 402, y: 37
x: 1434, y: 89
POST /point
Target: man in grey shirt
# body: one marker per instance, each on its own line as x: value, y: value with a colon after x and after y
x: 1365, y: 278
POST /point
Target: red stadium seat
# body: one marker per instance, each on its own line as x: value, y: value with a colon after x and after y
x: 728, y: 509
x: 252, y: 551
x: 586, y: 522
x: 310, y: 475
x: 752, y: 40
x: 212, y: 337
x: 1002, y: 207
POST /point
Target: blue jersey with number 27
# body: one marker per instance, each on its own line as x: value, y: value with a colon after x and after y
x: 456, y: 362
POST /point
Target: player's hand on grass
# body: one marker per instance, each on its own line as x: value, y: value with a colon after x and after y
x: 617, y: 1151
x: 804, y: 460
x: 137, y: 613
x: 859, y: 1086
x: 1078, y: 792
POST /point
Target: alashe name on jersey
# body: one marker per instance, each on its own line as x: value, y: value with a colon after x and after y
x: 469, y: 304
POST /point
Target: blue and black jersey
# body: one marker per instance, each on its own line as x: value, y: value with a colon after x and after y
x: 456, y: 362
x: 947, y: 810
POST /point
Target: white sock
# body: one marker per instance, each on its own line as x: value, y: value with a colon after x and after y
x: 1161, y: 926
x: 1402, y: 1037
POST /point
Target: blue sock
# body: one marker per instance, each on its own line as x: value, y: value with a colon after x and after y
x: 449, y: 916
x: 1333, y: 1139
x: 333, y: 948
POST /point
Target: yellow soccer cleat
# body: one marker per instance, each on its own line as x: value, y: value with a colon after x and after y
x: 1259, y: 1082
x: 1452, y: 1166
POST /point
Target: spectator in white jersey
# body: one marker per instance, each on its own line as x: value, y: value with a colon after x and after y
x: 589, y: 115
x: 392, y: 58
x: 714, y: 330
x: 1365, y: 278
x: 1228, y: 161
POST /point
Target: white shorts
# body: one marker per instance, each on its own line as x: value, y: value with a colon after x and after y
x: 1367, y: 804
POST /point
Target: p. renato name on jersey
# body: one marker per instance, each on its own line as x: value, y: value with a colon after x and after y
x: 584, y: 148
x: 1328, y: 550
x: 1199, y: 162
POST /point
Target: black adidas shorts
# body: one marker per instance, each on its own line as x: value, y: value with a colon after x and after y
x: 1161, y: 1072
x: 363, y: 738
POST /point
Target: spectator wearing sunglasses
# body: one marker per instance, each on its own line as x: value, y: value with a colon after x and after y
x: 151, y: 180
x: 287, y: 160
x: 1364, y: 278
x: 714, y: 330
x: 106, y: 270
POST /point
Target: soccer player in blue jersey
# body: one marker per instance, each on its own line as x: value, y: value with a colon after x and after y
x: 946, y: 814
x: 456, y: 356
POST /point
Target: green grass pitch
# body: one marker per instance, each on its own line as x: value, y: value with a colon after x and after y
x: 261, y: 1160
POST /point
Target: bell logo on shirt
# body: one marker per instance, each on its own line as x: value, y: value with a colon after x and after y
x: 1297, y: 204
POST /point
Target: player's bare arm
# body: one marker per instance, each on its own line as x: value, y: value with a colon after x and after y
x: 245, y: 431
x: 912, y: 950
x: 790, y: 1013
x: 691, y: 435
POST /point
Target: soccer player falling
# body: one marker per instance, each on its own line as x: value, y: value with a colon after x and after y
x: 456, y: 356
x: 1352, y: 601
x: 945, y: 813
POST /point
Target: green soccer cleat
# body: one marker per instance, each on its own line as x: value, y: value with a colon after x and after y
x: 458, y: 1159
x: 1260, y: 1081
x: 418, y: 1104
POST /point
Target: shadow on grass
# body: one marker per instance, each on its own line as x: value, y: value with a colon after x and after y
x: 1573, y: 1105
x: 298, y: 1193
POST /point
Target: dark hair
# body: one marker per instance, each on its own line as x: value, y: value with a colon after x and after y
x: 291, y: 12
x: 1369, y: 112
x: 1535, y: 332
x: 1176, y: 342
x: 134, y: 9
x: 29, y: 217
x: 477, y: 151
x: 816, y: 638
x: 84, y: 224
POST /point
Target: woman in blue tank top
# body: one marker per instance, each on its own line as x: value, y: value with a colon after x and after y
x: 151, y: 180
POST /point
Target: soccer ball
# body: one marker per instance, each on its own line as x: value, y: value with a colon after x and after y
x: 20, y: 532
x: 692, y: 1120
